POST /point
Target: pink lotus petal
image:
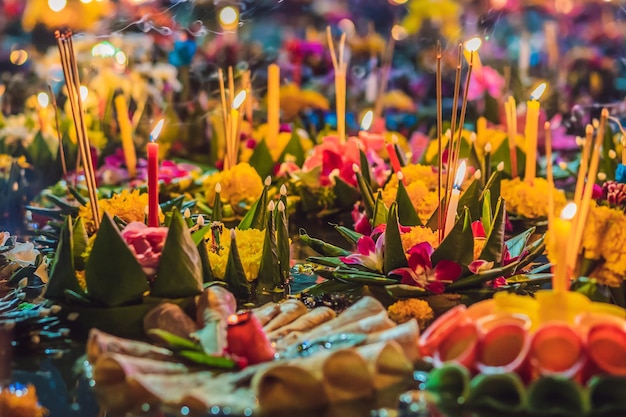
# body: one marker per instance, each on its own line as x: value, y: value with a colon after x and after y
x: 478, y: 229
x: 435, y: 287
x: 447, y: 271
x: 498, y: 282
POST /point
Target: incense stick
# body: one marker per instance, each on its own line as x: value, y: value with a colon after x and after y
x: 58, y: 129
x: 72, y: 81
x: 549, y: 174
x: 584, y: 164
x: 231, y: 87
x: 439, y: 139
x: 384, y: 77
x: 340, y: 67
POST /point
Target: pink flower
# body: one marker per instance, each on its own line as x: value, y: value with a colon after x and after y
x: 146, y: 243
x: 478, y: 230
x: 487, y: 80
x: 421, y: 273
x: 361, y: 222
x: 370, y: 253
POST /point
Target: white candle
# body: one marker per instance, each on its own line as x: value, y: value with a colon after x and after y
x: 454, y: 198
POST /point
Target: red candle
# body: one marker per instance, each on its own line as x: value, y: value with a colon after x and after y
x: 153, y: 176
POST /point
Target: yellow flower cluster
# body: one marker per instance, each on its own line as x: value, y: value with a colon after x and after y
x: 604, y: 238
x: 240, y: 184
x: 529, y: 199
x: 422, y: 189
x: 479, y: 245
x: 7, y: 160
x: 130, y: 206
x: 419, y: 234
x: 21, y: 403
x: 250, y: 246
x: 411, y: 308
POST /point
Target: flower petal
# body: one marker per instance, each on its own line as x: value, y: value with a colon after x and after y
x: 479, y: 265
x: 478, y: 230
x: 365, y: 245
x: 435, y: 287
x: 447, y: 271
x: 419, y: 255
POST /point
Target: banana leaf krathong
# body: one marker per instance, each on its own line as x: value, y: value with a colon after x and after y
x: 474, y: 259
x: 116, y: 292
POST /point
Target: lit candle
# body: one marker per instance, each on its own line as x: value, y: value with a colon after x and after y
x: 454, y: 198
x: 562, y: 239
x: 372, y: 140
x: 530, y: 131
x: 42, y: 110
x: 273, y: 105
x: 153, y: 176
x: 126, y: 131
x: 470, y: 47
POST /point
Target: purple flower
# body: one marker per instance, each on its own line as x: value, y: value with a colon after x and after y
x: 370, y: 253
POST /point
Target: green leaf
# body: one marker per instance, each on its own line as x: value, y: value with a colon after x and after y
x: 394, y: 251
x: 591, y: 289
x: 261, y: 159
x: 348, y: 234
x: 330, y: 287
x: 173, y: 342
x: 487, y: 217
x: 62, y: 273
x: 80, y: 241
x: 406, y: 211
x: 502, y: 393
x: 207, y: 272
x: 556, y: 395
x: 493, y: 185
x: 405, y: 291
x: 216, y: 213
x: 202, y: 358
x: 365, y: 167
x: 366, y: 194
x: 40, y: 155
x: 198, y: 235
x: 517, y: 244
x: 180, y: 271
x: 321, y: 247
x: 492, y: 251
x: 355, y: 278
x: 282, y: 243
x: 606, y: 395
x: 380, y: 211
x: 345, y: 194
x: 66, y: 207
x: 113, y: 275
x: 293, y: 148
x: 331, y: 261
x: 256, y: 217
x: 234, y: 275
x: 451, y: 382
x: 458, y: 246
x: 269, y: 270
x: 78, y: 196
x: 169, y: 205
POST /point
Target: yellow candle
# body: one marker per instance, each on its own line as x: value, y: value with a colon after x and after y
x: 126, y: 130
x: 454, y: 198
x: 42, y: 110
x: 530, y: 131
x: 273, y: 105
x: 470, y: 46
x: 511, y: 122
x: 562, y: 238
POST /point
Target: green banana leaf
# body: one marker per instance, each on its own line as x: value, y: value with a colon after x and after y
x: 234, y: 275
x: 62, y: 272
x: 556, y: 396
x: 406, y: 211
x: 261, y: 159
x: 321, y: 247
x: 458, y: 246
x: 503, y: 394
x: 293, y: 149
x: 113, y: 275
x: 492, y: 251
x: 180, y: 271
x: 394, y: 251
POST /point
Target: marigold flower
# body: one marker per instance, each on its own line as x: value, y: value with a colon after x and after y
x: 250, y: 246
x: 240, y: 184
x: 529, y: 199
x: 411, y: 308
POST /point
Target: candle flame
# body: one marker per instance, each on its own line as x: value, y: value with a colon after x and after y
x: 569, y: 211
x: 228, y: 16
x: 43, y: 99
x: 154, y: 135
x: 538, y: 92
x: 366, y: 121
x: 239, y: 99
x: 460, y: 175
x: 232, y: 319
x: 473, y: 44
x: 84, y: 93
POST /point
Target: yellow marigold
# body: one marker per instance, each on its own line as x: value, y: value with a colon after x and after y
x: 419, y: 234
x: 411, y: 308
x: 82, y: 281
x: 130, y: 206
x: 250, y: 246
x: 529, y: 200
x: 479, y: 245
x: 240, y: 184
x: 422, y: 189
x: 20, y: 403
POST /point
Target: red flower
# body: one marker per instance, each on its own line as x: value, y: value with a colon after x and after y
x: 421, y: 273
